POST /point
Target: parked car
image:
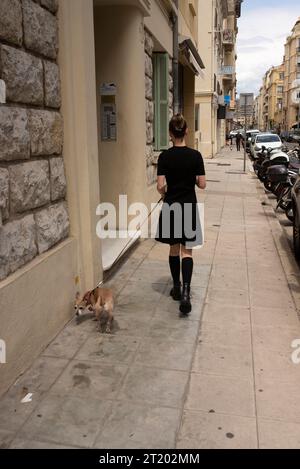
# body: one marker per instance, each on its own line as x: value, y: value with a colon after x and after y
x: 295, y: 136
x: 252, y: 145
x: 234, y: 133
x: 267, y: 140
x: 248, y: 137
x: 289, y: 137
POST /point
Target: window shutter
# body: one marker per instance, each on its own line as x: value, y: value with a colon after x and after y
x: 161, y: 90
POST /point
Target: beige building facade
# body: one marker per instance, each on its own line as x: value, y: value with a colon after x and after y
x: 291, y: 111
x: 269, y: 110
x: 275, y: 96
x: 85, y: 126
x: 277, y: 102
x: 217, y: 39
x: 258, y: 120
x: 245, y: 118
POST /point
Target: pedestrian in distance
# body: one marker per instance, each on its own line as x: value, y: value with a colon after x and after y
x: 230, y: 138
x: 238, y: 139
x: 227, y: 140
x: 180, y: 170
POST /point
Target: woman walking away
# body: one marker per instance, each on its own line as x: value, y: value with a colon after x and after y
x: 180, y: 169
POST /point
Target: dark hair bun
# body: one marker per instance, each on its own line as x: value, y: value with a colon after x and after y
x: 178, y: 126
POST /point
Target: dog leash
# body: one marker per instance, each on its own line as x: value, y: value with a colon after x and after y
x: 127, y: 245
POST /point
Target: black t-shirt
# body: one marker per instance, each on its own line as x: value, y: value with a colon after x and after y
x: 180, y: 166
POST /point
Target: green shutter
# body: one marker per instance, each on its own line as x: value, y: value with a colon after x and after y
x: 161, y: 101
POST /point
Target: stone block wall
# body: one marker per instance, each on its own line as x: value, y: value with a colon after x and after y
x: 151, y: 155
x: 33, y: 210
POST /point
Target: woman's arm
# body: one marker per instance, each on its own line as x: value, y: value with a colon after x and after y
x: 201, y: 182
x: 161, y: 185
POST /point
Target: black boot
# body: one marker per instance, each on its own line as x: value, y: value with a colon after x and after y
x: 176, y: 292
x: 185, y: 304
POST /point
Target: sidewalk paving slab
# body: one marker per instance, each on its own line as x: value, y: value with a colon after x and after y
x: 221, y: 378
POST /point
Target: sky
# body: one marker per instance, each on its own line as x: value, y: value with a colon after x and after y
x: 263, y: 28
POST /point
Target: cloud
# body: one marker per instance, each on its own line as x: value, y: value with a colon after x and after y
x: 262, y: 33
x: 250, y: 49
x: 255, y: 40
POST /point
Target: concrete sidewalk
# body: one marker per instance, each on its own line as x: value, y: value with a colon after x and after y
x: 223, y: 378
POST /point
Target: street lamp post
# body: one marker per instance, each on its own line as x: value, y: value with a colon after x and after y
x: 246, y: 99
x: 245, y: 140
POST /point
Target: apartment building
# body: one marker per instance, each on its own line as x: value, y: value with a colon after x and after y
x: 291, y: 110
x: 271, y: 99
x: 275, y: 93
x: 245, y: 117
x: 278, y: 101
x: 265, y: 100
x: 258, y: 108
x: 87, y: 89
x: 216, y: 90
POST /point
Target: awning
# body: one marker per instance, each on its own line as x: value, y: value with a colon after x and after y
x: 190, y: 56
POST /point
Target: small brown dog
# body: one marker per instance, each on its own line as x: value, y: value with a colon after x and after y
x: 101, y: 302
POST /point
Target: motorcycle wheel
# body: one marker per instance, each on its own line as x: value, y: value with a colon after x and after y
x: 278, y: 189
x: 290, y: 212
x: 282, y: 202
x: 296, y: 236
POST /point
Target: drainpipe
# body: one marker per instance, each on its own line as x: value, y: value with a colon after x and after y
x: 174, y: 19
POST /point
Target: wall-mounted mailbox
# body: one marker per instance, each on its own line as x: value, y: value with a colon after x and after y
x: 108, y: 93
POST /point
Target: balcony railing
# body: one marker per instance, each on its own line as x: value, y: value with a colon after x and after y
x: 228, y: 38
x: 227, y: 70
x: 229, y: 75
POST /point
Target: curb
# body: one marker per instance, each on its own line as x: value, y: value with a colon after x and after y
x: 286, y: 256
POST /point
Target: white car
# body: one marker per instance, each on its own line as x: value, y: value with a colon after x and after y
x: 267, y: 140
x: 234, y: 133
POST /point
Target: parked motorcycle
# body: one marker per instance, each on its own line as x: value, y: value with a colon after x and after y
x: 279, y: 170
x: 294, y: 153
x: 283, y: 180
x: 266, y: 158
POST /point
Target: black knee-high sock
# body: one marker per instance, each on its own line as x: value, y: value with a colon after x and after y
x: 174, y: 262
x: 187, y: 270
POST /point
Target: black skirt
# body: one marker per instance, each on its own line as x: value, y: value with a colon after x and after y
x: 179, y: 223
